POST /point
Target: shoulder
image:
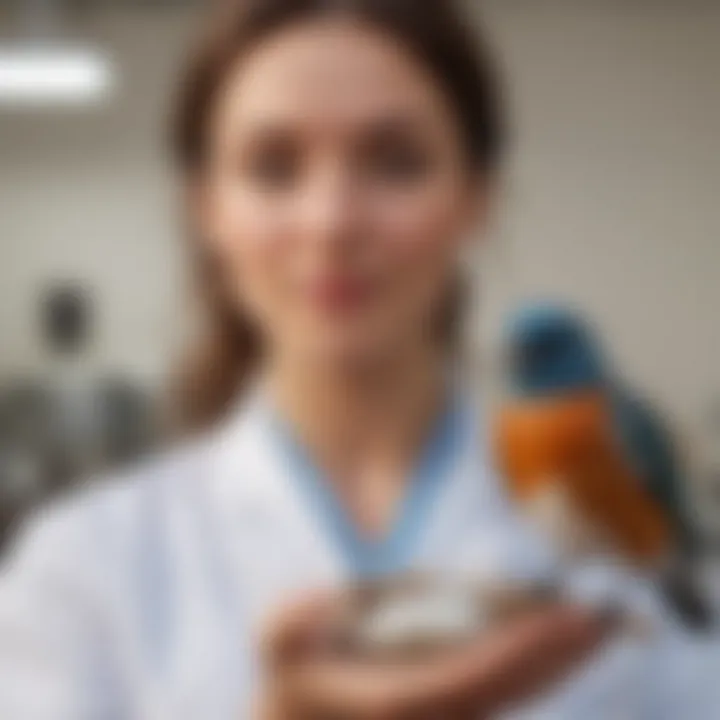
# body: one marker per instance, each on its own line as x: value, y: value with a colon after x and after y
x: 95, y: 525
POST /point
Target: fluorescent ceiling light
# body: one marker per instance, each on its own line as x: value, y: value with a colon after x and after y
x: 52, y: 76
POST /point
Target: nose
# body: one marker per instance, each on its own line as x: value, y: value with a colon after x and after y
x: 332, y: 209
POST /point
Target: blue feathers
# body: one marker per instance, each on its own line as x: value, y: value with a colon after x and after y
x: 553, y: 352
x: 650, y: 447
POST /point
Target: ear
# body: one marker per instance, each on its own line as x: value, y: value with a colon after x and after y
x: 199, y: 210
x: 480, y: 206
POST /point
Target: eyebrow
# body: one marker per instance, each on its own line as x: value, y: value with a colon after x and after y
x: 388, y: 124
x: 394, y: 124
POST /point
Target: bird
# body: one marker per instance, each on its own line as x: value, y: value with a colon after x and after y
x: 590, y: 461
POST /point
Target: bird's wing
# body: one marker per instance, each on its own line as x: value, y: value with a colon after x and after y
x: 609, y: 494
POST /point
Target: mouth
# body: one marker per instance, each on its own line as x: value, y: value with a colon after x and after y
x: 335, y: 294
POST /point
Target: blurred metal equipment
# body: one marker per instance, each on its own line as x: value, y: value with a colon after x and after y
x: 25, y: 409
x: 72, y: 423
x: 95, y: 421
x: 127, y: 421
x: 65, y: 317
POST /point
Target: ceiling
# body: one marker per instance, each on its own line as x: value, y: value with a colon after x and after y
x: 25, y: 8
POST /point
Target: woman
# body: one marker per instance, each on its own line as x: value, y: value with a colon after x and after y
x: 337, y: 157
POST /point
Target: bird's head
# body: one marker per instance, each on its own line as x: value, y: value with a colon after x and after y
x: 552, y: 351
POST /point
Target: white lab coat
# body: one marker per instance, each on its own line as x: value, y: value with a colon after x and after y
x: 141, y: 599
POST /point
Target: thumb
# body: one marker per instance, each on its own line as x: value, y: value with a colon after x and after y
x: 296, y: 627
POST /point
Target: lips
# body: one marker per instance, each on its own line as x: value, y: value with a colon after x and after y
x: 336, y: 294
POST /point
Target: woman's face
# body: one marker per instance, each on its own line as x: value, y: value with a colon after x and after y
x: 337, y: 193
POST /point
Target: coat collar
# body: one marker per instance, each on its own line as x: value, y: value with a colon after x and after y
x: 255, y: 480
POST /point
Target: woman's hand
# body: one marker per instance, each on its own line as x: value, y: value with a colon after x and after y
x: 513, y: 663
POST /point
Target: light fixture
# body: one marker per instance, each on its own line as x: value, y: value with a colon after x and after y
x: 39, y: 75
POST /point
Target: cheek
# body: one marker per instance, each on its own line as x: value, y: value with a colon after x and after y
x: 422, y: 237
x: 245, y: 223
x: 249, y: 239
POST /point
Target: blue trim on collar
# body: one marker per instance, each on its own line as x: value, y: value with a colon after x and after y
x: 394, y: 552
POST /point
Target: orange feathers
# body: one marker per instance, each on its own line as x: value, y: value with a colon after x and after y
x: 571, y: 441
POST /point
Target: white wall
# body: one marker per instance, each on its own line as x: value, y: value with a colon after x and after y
x: 613, y: 197
x: 88, y: 194
x: 612, y: 200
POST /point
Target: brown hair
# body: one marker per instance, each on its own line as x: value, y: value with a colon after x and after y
x: 438, y: 35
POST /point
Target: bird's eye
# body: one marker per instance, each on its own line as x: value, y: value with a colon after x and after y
x: 549, y: 346
x: 543, y: 351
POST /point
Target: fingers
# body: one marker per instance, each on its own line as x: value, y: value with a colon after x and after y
x: 521, y: 661
x: 295, y: 628
x: 334, y: 688
x: 509, y: 665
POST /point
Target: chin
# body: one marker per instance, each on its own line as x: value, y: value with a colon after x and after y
x: 352, y: 350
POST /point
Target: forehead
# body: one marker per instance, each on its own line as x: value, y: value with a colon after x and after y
x: 330, y: 75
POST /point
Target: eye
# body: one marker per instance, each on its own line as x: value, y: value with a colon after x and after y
x: 400, y: 164
x: 397, y: 156
x: 544, y: 349
x: 273, y: 165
